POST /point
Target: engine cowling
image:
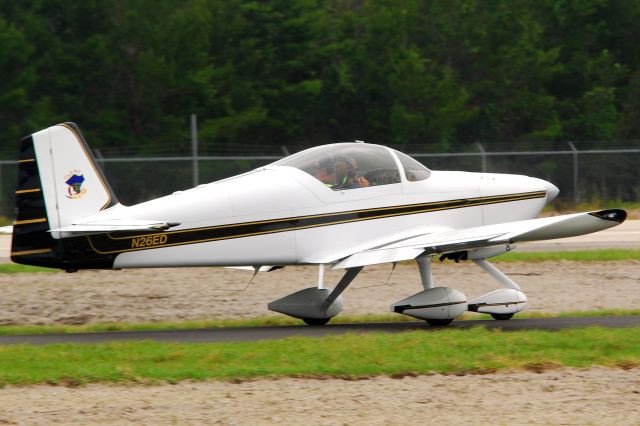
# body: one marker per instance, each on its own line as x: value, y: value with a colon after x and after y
x: 438, y: 303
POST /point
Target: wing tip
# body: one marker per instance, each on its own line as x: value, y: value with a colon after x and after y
x: 614, y: 215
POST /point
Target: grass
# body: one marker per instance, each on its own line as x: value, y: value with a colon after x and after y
x: 576, y: 256
x: 265, y: 321
x: 14, y: 268
x: 346, y: 356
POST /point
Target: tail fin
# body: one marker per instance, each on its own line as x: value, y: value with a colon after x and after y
x: 58, y: 182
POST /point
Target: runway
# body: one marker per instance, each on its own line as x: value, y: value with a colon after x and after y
x: 245, y: 334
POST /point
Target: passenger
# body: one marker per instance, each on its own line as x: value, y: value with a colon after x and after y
x: 346, y: 174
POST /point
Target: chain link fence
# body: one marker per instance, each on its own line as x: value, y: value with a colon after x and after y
x: 582, y: 175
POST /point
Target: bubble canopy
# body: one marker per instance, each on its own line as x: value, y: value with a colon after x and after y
x: 355, y: 165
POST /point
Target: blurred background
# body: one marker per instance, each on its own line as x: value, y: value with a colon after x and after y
x: 547, y: 88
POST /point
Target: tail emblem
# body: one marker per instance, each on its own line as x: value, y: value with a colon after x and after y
x: 74, y: 181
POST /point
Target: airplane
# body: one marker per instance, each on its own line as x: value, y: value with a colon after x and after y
x: 343, y: 205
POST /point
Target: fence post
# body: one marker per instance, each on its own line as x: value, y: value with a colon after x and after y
x: 575, y: 172
x: 194, y: 149
x: 483, y: 154
x: 100, y: 159
x: 2, y: 207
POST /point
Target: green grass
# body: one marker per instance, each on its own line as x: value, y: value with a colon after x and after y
x: 280, y: 320
x: 576, y: 256
x: 13, y: 268
x: 346, y: 356
x: 265, y: 321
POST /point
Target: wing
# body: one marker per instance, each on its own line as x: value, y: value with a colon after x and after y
x: 113, y: 225
x: 485, y: 236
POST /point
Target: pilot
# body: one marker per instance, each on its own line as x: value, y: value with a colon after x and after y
x: 346, y: 174
x: 324, y: 170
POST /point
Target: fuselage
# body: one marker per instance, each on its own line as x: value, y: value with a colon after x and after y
x: 282, y: 214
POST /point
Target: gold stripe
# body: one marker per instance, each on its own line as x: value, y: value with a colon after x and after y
x: 479, y: 202
x: 26, y: 191
x: 28, y: 160
x: 25, y: 222
x: 22, y: 253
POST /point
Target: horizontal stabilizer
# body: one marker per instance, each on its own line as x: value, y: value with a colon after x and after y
x: 113, y: 225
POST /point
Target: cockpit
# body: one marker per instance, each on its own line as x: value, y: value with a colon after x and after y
x: 356, y: 165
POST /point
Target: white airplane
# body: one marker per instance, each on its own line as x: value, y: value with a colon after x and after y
x: 345, y: 205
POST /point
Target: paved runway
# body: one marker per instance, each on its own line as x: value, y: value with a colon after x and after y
x: 243, y: 334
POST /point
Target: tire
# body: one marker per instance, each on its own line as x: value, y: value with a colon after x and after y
x: 502, y: 317
x: 439, y: 322
x: 316, y: 321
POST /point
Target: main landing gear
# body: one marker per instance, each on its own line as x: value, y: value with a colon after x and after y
x: 439, y: 306
x: 315, y: 305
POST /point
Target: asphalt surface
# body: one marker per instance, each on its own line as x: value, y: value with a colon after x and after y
x: 244, y: 334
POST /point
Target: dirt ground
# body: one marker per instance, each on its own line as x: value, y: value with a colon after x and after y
x: 596, y: 396
x: 153, y: 295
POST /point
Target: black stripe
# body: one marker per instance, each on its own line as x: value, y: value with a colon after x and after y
x: 614, y: 215
x: 123, y: 242
x: 402, y: 308
x: 30, y: 206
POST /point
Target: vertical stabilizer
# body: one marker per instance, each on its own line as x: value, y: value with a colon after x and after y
x: 59, y: 181
x: 72, y: 183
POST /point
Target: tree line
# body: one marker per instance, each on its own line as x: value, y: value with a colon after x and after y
x: 437, y: 74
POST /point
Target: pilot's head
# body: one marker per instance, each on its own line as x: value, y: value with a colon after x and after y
x: 324, y: 170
